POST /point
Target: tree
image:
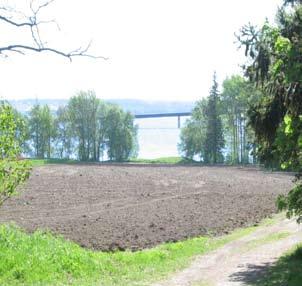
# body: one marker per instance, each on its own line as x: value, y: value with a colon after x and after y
x: 64, y: 133
x: 214, y: 141
x: 193, y: 134
x: 275, y: 65
x: 31, y: 25
x: 12, y: 171
x: 82, y: 110
x: 121, y: 134
x: 42, y: 130
x: 236, y: 97
x: 99, y: 127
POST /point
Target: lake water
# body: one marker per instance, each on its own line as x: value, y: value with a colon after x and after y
x: 158, y: 137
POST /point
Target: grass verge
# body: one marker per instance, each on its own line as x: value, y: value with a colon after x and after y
x: 287, y: 271
x: 266, y: 240
x: 42, y: 162
x: 43, y: 259
x: 163, y: 160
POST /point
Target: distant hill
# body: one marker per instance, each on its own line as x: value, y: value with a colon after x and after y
x: 135, y: 106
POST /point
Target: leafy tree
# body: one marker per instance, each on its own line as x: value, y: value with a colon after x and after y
x: 12, y: 170
x: 100, y: 127
x: 202, y: 136
x: 193, y: 134
x: 64, y: 134
x: 82, y: 110
x: 275, y: 64
x: 121, y: 134
x: 214, y: 141
x: 237, y: 96
x: 42, y: 130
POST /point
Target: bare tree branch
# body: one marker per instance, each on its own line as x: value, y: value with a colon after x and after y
x: 6, y: 19
x: 32, y: 24
x: 21, y: 48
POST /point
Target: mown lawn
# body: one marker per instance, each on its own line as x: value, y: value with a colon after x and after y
x: 43, y: 259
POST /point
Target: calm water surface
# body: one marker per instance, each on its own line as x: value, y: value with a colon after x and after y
x: 158, y: 137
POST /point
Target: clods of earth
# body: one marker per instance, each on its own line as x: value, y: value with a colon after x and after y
x: 118, y: 207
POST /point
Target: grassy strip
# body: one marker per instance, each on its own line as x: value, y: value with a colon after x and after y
x: 265, y: 240
x: 287, y: 271
x: 42, y: 259
x: 42, y: 162
x: 163, y: 160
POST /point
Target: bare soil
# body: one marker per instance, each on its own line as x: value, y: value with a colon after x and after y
x: 109, y: 207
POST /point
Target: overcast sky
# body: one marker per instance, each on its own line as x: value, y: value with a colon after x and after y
x: 157, y: 49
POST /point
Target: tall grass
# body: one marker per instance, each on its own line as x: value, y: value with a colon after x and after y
x: 43, y: 259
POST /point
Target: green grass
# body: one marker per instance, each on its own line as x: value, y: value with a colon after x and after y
x: 41, y: 162
x: 43, y: 259
x: 266, y: 240
x: 287, y: 271
x: 163, y: 160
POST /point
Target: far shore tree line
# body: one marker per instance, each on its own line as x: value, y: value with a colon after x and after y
x: 87, y: 129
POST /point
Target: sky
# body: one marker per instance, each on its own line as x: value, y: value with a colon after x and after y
x: 157, y: 49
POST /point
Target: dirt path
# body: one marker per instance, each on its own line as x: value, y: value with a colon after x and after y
x: 240, y: 262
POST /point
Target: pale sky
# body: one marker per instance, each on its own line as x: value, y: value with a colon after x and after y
x: 157, y: 49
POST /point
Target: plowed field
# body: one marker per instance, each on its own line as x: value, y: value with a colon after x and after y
x: 112, y: 207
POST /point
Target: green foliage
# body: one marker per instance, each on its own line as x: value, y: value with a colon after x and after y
x: 100, y: 127
x: 82, y: 110
x: 236, y: 97
x: 292, y: 203
x: 193, y: 134
x: 12, y: 171
x: 202, y: 135
x: 64, y: 134
x: 9, y: 146
x: 87, y: 128
x: 41, y: 130
x: 275, y: 53
x: 214, y: 139
x: 121, y: 134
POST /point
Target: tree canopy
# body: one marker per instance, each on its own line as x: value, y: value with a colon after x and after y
x: 86, y: 129
x: 275, y: 65
x: 12, y: 171
x: 202, y: 135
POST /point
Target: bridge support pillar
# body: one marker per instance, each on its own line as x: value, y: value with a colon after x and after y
x: 178, y: 122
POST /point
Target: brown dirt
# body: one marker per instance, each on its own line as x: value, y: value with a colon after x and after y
x: 137, y: 206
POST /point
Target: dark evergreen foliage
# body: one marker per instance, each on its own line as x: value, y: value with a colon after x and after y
x: 276, y: 56
x: 214, y: 141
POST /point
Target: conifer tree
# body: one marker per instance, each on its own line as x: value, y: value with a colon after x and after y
x: 214, y: 142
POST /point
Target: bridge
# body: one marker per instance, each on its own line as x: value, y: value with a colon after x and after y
x: 161, y: 115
